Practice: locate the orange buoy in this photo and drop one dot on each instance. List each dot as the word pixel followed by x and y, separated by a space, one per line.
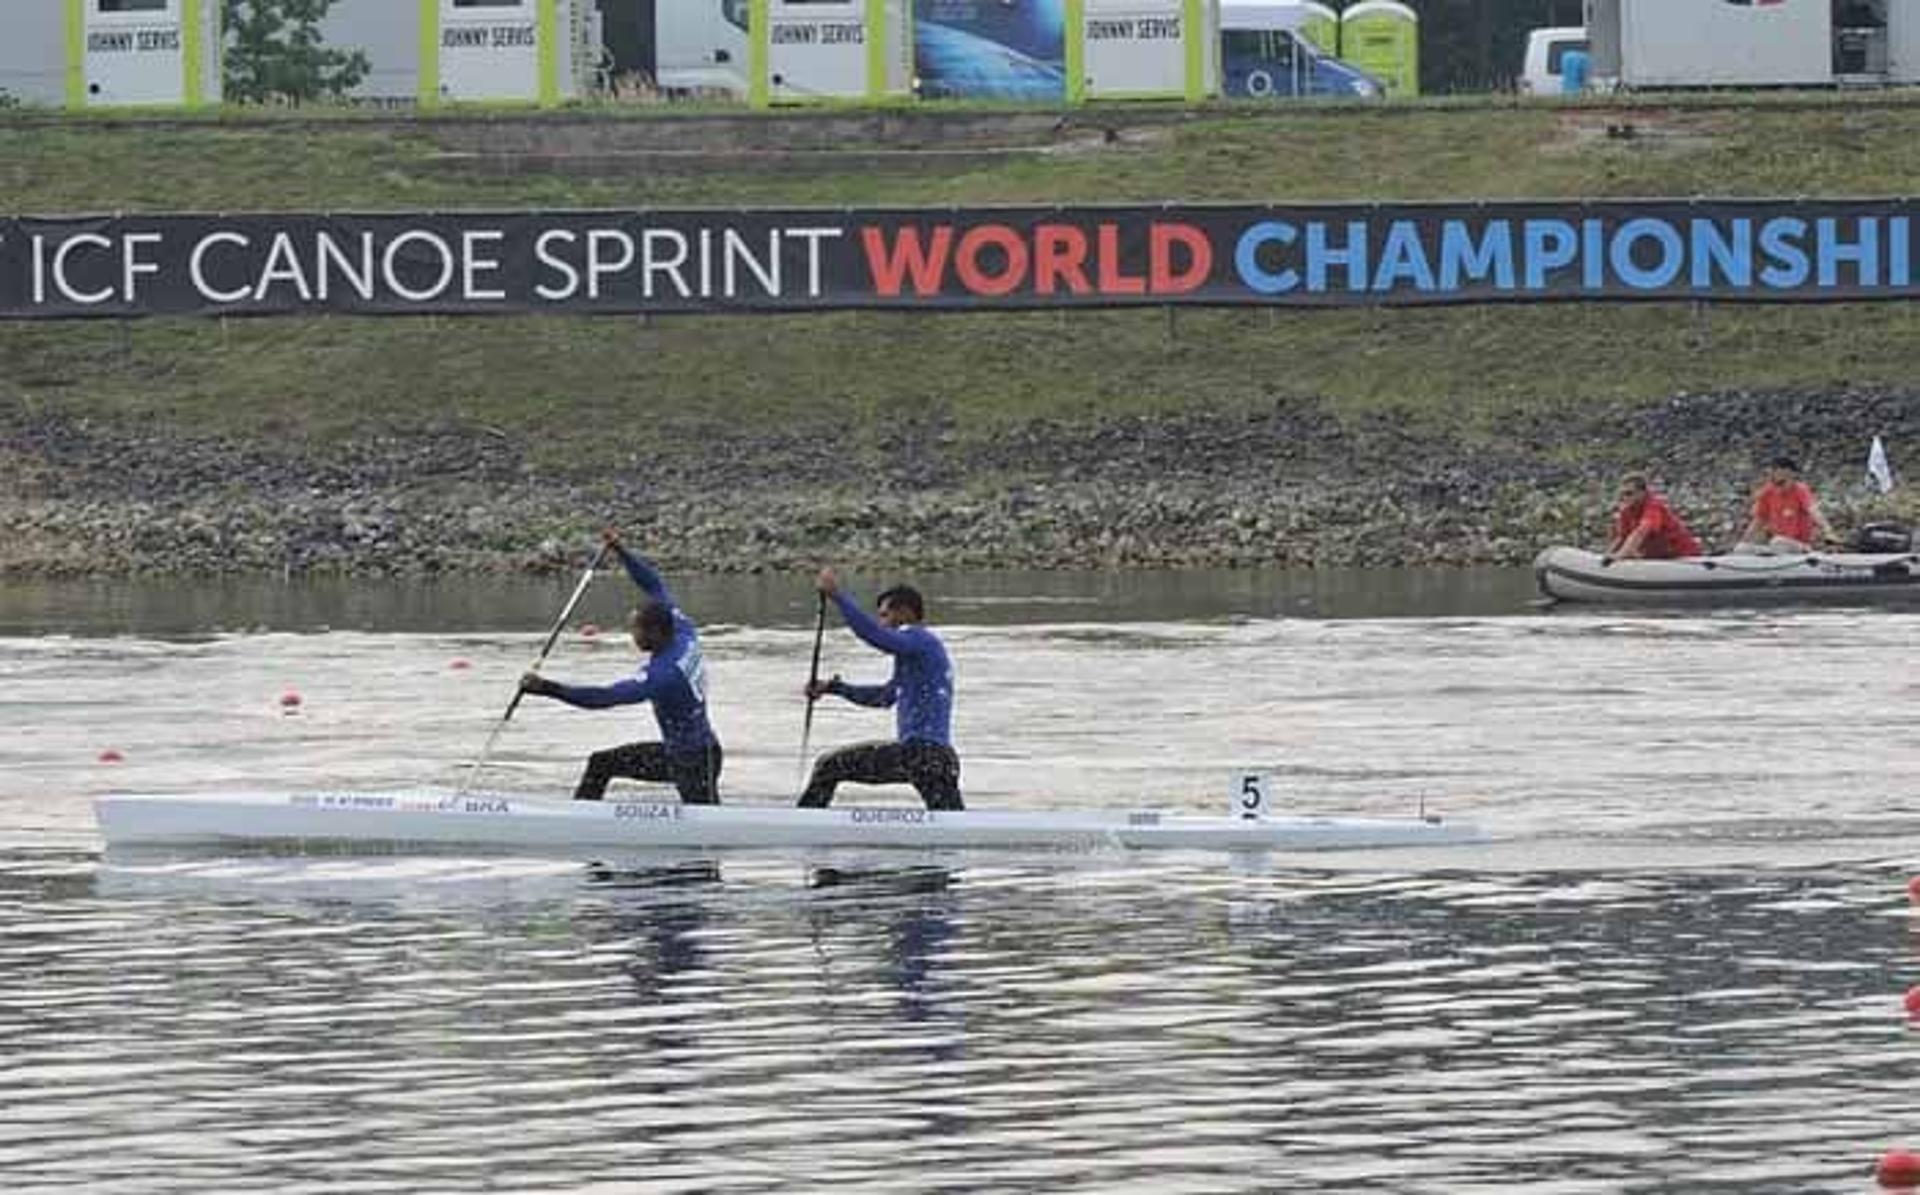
pixel 111 756
pixel 1899 1169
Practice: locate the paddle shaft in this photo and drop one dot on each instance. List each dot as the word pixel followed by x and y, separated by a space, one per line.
pixel 813 678
pixel 559 625
pixel 553 637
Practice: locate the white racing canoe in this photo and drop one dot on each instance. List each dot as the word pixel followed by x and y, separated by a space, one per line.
pixel 515 822
pixel 1574 575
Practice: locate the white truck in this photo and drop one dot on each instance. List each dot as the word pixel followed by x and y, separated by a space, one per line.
pixel 1543 72
pixel 1753 43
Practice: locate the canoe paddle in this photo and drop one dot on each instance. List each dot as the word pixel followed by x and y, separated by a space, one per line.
pixel 553 636
pixel 813 678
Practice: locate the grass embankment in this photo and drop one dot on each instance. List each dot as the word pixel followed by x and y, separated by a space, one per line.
pixel 555 380
pixel 596 392
pixel 585 391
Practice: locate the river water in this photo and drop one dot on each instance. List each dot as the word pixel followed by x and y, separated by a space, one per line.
pixel 1677 963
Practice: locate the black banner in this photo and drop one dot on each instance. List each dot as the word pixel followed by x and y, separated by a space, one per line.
pixel 978 258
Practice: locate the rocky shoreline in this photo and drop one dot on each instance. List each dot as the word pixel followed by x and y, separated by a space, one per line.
pixel 1288 484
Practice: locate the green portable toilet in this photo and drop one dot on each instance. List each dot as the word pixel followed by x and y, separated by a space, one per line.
pixel 1382 38
pixel 1321 26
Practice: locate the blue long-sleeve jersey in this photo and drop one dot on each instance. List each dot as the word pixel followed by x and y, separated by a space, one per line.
pixel 921 688
pixel 674 679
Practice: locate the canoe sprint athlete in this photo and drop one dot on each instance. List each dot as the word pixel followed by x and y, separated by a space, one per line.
pixel 674 679
pixel 920 690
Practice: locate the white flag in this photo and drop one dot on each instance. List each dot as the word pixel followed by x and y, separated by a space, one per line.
pixel 1877 467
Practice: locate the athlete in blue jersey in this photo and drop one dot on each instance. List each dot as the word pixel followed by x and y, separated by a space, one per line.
pixel 920 692
pixel 674 680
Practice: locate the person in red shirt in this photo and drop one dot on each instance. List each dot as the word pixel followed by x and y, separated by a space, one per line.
pixel 1786 515
pixel 1645 527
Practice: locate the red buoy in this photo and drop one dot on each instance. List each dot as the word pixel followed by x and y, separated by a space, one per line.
pixel 1913 1003
pixel 1899 1169
pixel 589 630
pixel 289 701
pixel 461 665
pixel 111 756
pixel 1913 889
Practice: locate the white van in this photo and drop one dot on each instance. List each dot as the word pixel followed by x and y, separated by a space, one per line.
pixel 1547 50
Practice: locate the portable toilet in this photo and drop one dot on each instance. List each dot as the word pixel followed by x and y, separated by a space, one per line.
pixel 1144 49
pixel 1382 38
pixel 809 50
pixel 991 49
pixel 1574 71
pixel 1320 25
pixel 140 52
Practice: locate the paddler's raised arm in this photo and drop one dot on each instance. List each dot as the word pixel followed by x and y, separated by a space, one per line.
pixel 868 628
pixel 638 567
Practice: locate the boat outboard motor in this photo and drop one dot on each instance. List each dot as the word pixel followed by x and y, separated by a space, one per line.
pixel 1883 537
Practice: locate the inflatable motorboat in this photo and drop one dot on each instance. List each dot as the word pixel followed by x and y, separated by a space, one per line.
pixel 1575 575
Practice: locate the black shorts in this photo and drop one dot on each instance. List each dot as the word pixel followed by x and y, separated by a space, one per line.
pixel 697 776
pixel 932 768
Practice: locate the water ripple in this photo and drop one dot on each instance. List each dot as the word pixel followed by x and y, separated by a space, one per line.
pixel 194 1026
pixel 1678 967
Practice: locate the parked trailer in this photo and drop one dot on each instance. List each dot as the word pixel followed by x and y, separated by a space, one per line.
pixel 1725 43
